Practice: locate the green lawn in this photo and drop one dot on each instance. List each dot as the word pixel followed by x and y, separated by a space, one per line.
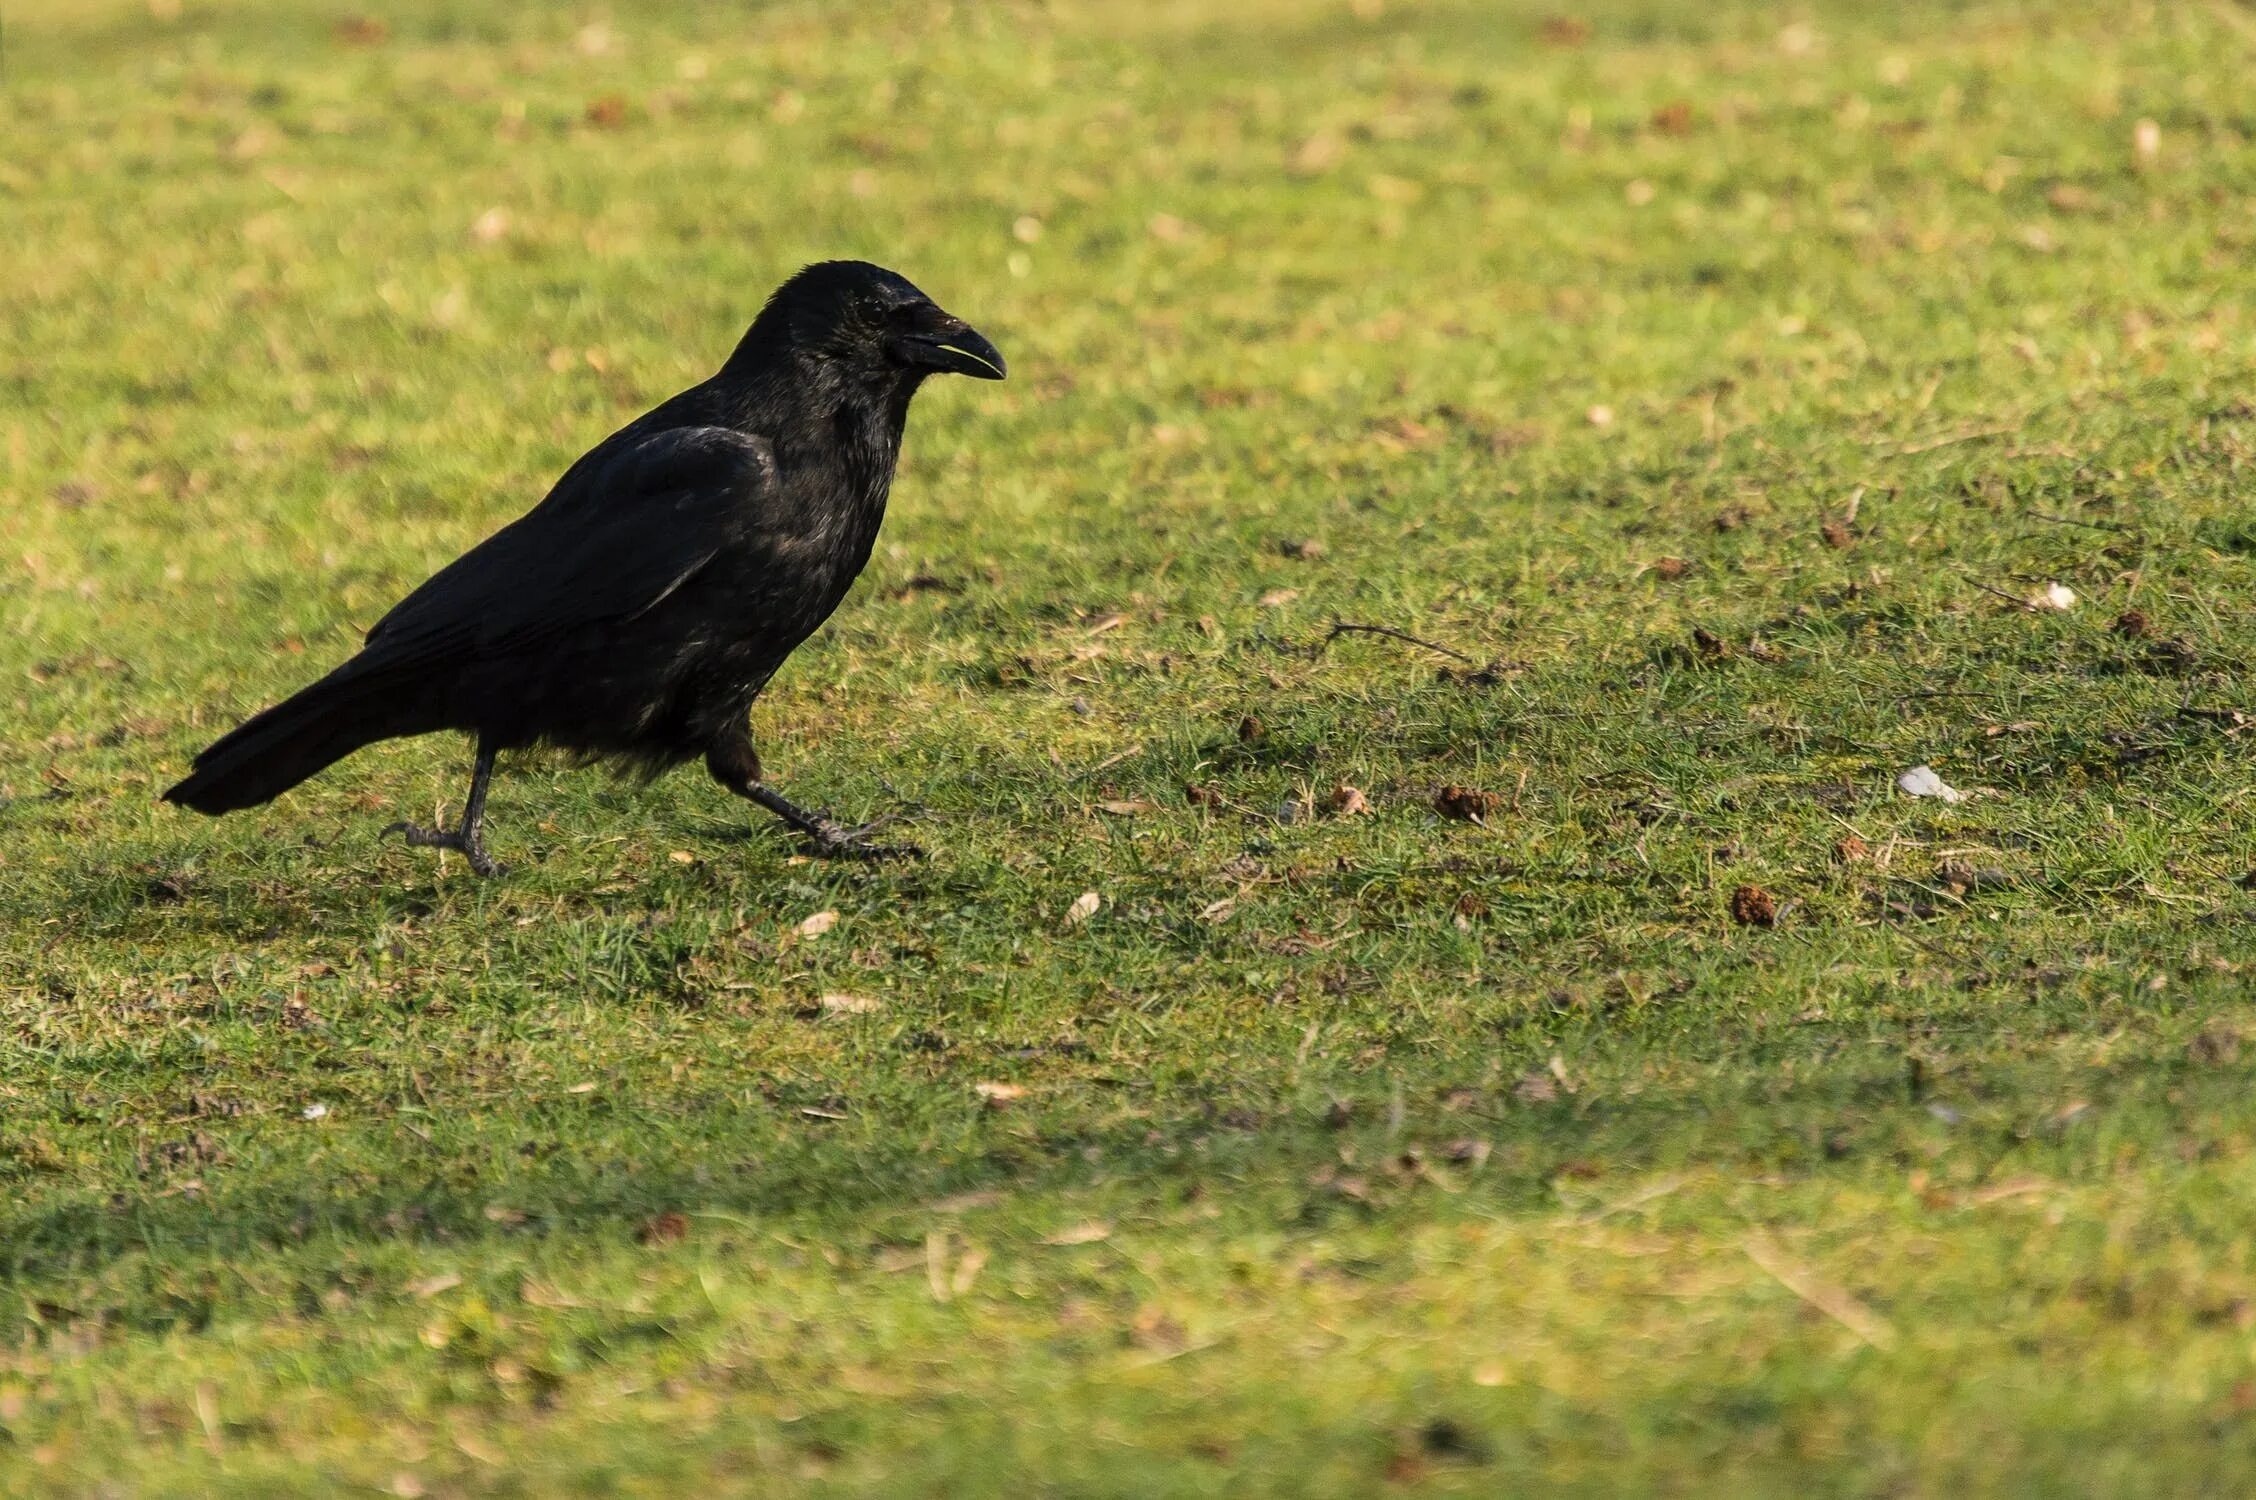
pixel 1718 380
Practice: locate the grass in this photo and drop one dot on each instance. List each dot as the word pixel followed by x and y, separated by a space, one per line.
pixel 1719 377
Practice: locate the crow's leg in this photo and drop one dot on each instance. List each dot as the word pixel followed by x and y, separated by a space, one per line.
pixel 828 837
pixel 736 765
pixel 469 840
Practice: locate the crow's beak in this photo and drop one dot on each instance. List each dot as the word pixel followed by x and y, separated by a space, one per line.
pixel 951 345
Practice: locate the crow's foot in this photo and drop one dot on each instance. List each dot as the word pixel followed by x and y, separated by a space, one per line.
pixel 827 837
pixel 830 839
pixel 469 847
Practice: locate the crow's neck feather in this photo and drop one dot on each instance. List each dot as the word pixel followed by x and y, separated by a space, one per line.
pixel 836 442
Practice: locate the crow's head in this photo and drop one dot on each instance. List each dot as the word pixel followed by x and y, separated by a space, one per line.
pixel 871 326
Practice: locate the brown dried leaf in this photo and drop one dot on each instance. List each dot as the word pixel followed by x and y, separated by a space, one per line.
pixel 666 1229
pixel 1536 1087
pixel 1154 1330
pixel 541 1294
pixel 1674 118
pixel 1319 153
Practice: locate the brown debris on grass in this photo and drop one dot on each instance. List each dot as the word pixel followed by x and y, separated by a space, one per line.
pixel 1466 804
pixel 669 1228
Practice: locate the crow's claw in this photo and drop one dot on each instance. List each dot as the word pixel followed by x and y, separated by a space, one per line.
pixel 833 840
pixel 827 837
pixel 481 863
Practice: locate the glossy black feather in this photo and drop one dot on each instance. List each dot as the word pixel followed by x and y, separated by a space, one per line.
pixel 635 613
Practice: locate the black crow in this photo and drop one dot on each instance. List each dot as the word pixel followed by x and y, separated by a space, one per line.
pixel 634 614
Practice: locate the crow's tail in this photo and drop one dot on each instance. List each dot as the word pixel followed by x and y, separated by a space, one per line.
pixel 271 752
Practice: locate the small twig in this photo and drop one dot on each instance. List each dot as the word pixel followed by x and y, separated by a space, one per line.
pixel 1342 627
pixel 2038 515
pixel 911 808
pixel 2013 599
pixel 1107 763
pixel 1957 437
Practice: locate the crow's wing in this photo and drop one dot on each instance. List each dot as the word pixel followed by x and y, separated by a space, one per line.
pixel 626 526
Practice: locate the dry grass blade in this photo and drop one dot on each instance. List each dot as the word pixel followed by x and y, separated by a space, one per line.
pixel 1823 1295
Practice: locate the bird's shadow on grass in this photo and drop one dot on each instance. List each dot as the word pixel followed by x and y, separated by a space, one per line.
pixel 451 1191
pixel 359 884
pixel 221 896
pixel 524 1178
